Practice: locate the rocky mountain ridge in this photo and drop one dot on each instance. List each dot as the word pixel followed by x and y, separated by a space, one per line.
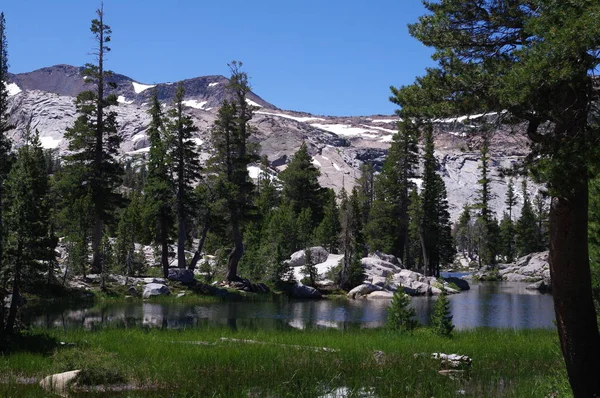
pixel 339 145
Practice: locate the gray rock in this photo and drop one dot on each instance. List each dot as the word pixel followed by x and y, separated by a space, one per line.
pixel 132 291
pixel 390 258
pixel 543 286
pixel 318 255
pixel 363 290
pixel 381 295
pixel 184 276
pixel 155 289
pixel 302 291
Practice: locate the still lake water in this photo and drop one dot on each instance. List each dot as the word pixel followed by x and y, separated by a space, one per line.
pixel 487 304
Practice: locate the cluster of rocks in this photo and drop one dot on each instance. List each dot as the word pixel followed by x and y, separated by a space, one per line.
pixel 384 275
pixel 533 268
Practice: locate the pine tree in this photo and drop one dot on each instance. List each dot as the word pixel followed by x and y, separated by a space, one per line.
pixel 129 230
pixel 464 232
pixel 309 270
pixel 401 316
pixel 232 156
pixel 437 243
pixel 511 198
pixel 414 248
pixel 441 318
pixel 366 190
pixel 327 233
pixel 186 169
pixel 30 243
pixel 487 242
pixel 541 215
pixel 300 185
pixel 94 142
pixel 5 143
pixel 532 63
pixel 388 225
pixel 159 188
pixel 352 243
pixel 304 228
pixel 507 247
pixel 527 236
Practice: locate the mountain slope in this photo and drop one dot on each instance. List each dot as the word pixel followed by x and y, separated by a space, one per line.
pixel 338 144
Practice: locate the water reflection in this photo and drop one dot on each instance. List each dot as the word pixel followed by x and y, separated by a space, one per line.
pixel 498 305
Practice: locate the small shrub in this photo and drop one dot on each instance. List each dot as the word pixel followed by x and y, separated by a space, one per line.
pixel 441 319
pixel 97 365
pixel 400 314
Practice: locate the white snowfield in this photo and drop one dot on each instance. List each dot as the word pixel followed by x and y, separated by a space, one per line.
pixel 346 130
pixel 254 172
pixel 296 118
pixel 123 100
pixel 212 84
pixel 385 120
pixel 12 88
pixel 140 88
pixel 195 104
pixel 250 102
pixel 139 136
pixel 316 162
pixel 50 142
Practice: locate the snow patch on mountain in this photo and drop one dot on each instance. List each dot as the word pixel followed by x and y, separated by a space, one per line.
pixel 123 100
pixel 12 89
pixel 252 103
pixel 212 84
pixel 296 118
pixel 316 162
pixel 140 88
pixel 195 104
pixel 345 130
pixel 384 120
pixel 50 142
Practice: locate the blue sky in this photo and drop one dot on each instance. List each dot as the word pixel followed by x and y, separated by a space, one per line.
pixel 329 57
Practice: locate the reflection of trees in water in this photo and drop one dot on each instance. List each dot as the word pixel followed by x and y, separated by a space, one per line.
pixel 487 304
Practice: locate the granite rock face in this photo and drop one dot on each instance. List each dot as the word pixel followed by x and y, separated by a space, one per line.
pixel 339 145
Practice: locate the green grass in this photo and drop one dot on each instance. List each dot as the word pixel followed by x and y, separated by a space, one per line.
pixel 198 362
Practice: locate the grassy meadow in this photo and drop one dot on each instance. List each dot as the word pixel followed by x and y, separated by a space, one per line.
pixel 218 362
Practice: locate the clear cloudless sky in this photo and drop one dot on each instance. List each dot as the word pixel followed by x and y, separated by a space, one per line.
pixel 330 57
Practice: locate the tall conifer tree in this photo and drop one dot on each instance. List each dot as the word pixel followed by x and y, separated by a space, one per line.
pixel 186 169
pixel 94 142
pixel 159 187
pixel 531 62
pixel 233 154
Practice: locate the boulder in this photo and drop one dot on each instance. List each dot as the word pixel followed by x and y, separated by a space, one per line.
pixel 132 291
pixel 377 267
pixel 459 282
pixel 182 275
pixel 318 255
pixel 363 290
pixel 387 257
pixel 381 295
pixel 453 360
pixel 155 289
pixel 302 291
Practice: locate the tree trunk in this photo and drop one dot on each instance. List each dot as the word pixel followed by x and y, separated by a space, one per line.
pixel 96 246
pixel 571 288
pixel 236 254
pixel 196 258
pixel 181 244
pixel 164 252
